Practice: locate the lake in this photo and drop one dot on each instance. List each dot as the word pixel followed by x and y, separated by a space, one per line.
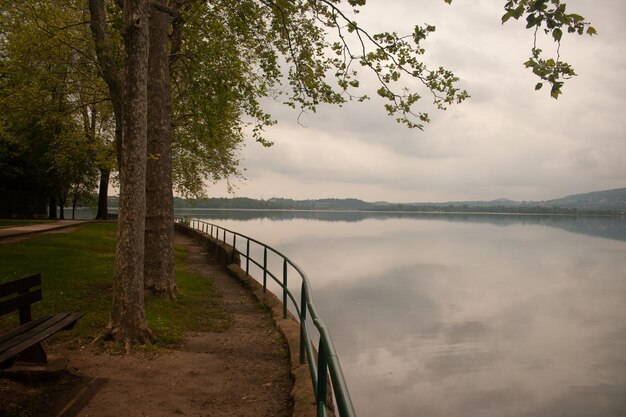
pixel 464 315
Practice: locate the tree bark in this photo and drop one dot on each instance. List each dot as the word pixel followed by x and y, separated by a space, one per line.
pixel 159 234
pixel 62 201
pixel 128 322
pixel 103 195
pixel 52 208
pixel 74 203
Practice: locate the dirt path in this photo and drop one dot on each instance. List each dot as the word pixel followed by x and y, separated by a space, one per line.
pixel 242 372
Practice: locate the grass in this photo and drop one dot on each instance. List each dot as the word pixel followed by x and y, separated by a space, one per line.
pixel 76 269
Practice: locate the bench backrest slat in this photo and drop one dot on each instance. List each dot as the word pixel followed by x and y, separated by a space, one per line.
pixel 16 303
pixel 20 286
pixel 19 295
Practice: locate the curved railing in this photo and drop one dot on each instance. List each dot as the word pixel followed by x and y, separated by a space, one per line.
pixel 326 363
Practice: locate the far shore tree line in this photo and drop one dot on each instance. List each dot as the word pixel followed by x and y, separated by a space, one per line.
pixel 159 94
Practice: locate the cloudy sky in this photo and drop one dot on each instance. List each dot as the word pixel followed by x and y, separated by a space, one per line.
pixel 506 141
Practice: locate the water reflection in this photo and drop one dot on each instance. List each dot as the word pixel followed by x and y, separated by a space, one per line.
pixel 607 227
pixel 448 317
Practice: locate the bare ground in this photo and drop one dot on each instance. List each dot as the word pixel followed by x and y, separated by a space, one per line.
pixel 241 372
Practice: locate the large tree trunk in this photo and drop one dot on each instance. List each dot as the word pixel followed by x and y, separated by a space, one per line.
pixel 159 240
pixel 127 313
pixel 103 195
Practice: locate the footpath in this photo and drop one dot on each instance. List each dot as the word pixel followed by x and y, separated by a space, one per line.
pixel 30 229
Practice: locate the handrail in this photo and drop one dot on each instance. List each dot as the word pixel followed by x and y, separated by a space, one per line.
pixel 327 362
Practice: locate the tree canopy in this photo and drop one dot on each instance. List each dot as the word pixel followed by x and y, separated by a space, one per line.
pixel 53 105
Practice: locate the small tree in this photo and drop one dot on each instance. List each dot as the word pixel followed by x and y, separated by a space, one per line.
pixel 70 161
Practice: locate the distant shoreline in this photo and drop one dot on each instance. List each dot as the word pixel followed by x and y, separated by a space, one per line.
pixel 597 203
pixel 566 212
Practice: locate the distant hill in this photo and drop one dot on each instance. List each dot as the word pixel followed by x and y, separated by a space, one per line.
pixel 598 202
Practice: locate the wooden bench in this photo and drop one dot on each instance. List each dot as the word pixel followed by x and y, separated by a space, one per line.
pixel 23 343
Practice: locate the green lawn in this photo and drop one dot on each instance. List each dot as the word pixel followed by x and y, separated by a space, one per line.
pixel 76 271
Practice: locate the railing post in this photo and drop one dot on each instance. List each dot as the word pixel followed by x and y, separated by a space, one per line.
pixel 264 268
pixel 284 288
pixel 211 230
pixel 232 254
pixel 322 379
pixel 224 239
pixel 303 297
pixel 248 257
pixel 217 238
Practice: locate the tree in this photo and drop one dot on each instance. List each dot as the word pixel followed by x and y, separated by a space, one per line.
pixel 208 123
pixel 99 128
pixel 49 70
pixel 550 17
pixel 128 322
pixel 159 228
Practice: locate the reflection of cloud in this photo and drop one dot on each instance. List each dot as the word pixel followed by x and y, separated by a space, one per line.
pixel 606 227
pixel 479 316
pixel 453 363
pixel 395 306
pixel 599 400
pixel 495 402
pixel 466 331
pixel 465 319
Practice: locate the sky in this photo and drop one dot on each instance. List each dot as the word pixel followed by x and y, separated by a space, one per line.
pixel 506 141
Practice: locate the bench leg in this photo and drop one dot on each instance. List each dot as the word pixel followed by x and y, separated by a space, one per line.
pixel 34 355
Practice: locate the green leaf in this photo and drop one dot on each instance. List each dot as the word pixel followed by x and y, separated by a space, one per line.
pixel 538 86
pixel 577 18
pixel 557 34
pixel 506 17
pixel 556 90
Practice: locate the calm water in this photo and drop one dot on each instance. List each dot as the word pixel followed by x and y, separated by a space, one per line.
pixel 461 315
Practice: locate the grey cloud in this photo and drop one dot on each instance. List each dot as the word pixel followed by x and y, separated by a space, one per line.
pixel 507 141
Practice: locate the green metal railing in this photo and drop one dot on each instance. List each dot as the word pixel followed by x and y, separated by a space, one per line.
pixel 327 362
